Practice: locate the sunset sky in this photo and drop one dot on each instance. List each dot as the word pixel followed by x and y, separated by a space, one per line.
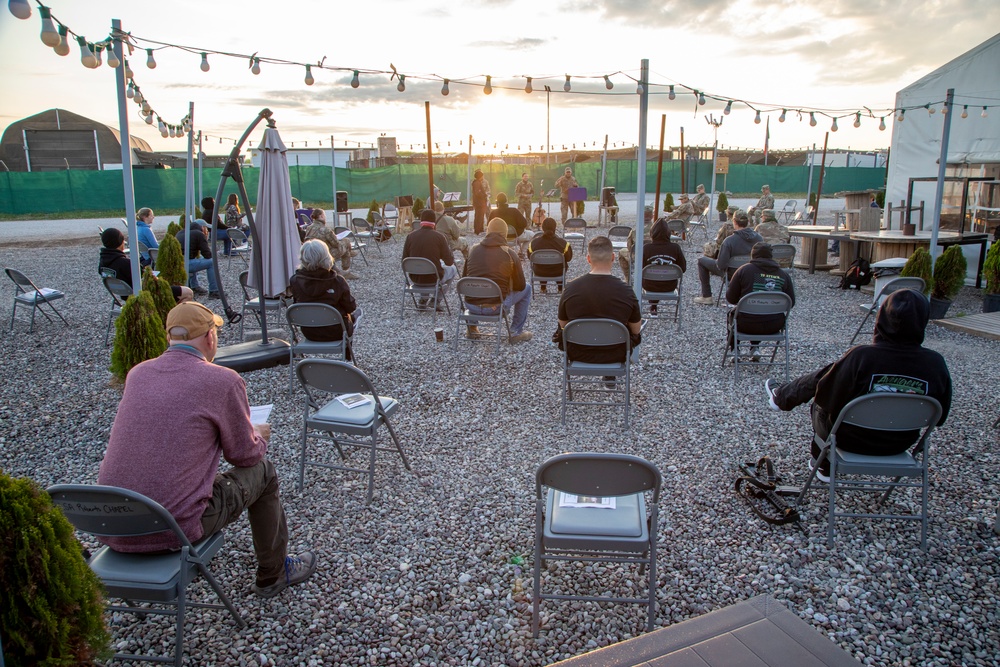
pixel 836 55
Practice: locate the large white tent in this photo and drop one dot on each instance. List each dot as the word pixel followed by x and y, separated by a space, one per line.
pixel 974 142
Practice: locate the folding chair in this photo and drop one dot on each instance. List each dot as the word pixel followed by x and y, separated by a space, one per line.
pixel 888 412
pixel 356 243
pixel 575 229
pixel 591 379
pixel 364 231
pixel 480 288
pixel 784 254
pixel 735 262
pixel 592 507
pixel 547 258
pixel 663 273
pixel 27 294
pixel 380 224
pixel 304 315
pixel 618 235
pixel 906 282
pixel 698 222
pixel 240 246
pixel 119 291
pixel 678 229
pixel 252 303
pixel 758 303
pixel 429 293
pixel 153 252
pixel 354 426
pixel 390 216
pixel 159 579
pixel 788 211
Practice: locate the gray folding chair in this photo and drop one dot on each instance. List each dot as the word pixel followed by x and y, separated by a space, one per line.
pixel 240 246
pixel 784 254
pixel 251 303
pixel 480 288
pixel 887 412
pixel 575 229
pixel 592 507
pixel 906 282
pixel 305 315
pixel 758 303
pixel 698 222
pixel 119 291
pixel 423 296
pixel 606 384
pixel 345 426
pixel 356 243
pixel 160 579
pixel 663 273
pixel 153 253
pixel 735 262
pixel 27 294
pixel 547 258
pixel 618 235
pixel 787 211
pixel 365 231
pixel 678 229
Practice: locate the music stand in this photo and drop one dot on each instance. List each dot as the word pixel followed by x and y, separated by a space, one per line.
pixel 451 196
pixel 549 195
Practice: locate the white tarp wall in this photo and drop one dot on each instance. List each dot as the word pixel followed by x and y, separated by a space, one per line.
pixel 916 142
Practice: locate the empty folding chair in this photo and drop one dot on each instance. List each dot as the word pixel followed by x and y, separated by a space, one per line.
pixel 906 282
pixel 251 303
pixel 27 294
pixel 365 231
pixel 240 246
pixel 575 230
pixel 356 244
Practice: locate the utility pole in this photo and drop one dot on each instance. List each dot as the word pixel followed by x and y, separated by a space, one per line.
pixel 716 124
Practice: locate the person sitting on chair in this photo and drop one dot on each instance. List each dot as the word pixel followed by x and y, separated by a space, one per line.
pixel 199 244
pixel 176 461
pixel 765 202
pixel 599 294
pixel 144 230
pixel 316 281
pixel 771 230
pixel 761 274
pixel 895 361
pixel 550 241
pixel 449 227
pixel 427 242
pixel 684 212
pixel 494 260
pixel 738 243
pixel 516 223
pixel 115 262
pixel 701 201
pixel 661 250
pixel 339 248
pixel 711 248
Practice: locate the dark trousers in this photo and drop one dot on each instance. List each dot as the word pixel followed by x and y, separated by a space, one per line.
pixel 762 324
pixel 255 490
pixel 481 209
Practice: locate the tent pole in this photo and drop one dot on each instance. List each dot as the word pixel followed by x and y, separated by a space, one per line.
pixel 640 199
pixel 659 169
pixel 126 145
pixel 430 158
pixel 189 193
pixel 942 167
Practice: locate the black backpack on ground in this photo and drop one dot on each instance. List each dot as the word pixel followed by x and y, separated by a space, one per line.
pixel 859 273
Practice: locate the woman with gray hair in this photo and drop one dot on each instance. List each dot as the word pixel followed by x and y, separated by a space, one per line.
pixel 315 281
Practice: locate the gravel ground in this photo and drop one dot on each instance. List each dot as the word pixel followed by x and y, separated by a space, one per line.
pixel 423 574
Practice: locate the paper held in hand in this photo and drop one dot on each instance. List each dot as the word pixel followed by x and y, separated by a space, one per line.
pixel 260 413
pixel 354 400
pixel 569 500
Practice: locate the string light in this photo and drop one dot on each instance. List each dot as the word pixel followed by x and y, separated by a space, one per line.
pixel 834 128
pixel 639 90
pixel 444 88
pixel 729 107
pixel 902 114
pixel 984 113
pixel 857 120
pixel 150 60
pixel 930 109
pixel 355 82
pixel 149 118
pixel 128 70
pixel 566 86
pixel 204 62
pixel 255 67
pixel 812 119
pixel 756 119
pixel 309 76
pixel 607 82
pixel 130 90
pixel 672 95
pixel 402 85
pixel 701 99
pixel 527 86
pixel 113 61
pixel 488 88
pixel 965 111
pixel 87 57
pixel 49 34
pixel 62 48
pixel 781 118
pixel 881 124
pixel 138 98
pixel 20 8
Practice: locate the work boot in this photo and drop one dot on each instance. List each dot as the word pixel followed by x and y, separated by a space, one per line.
pixel 473 332
pixel 297 569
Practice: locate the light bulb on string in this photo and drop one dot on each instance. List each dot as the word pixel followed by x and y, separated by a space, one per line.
pixel 49 34
pixel 729 107
pixel 488 88
pixel 781 118
pixel 756 119
pixel 172 131
pixel 145 107
pixel 62 48
pixel 255 68
pixel 881 124
pixel 309 76
pixel 965 111
pixel 128 70
pixel 902 115
pixel 150 60
pixel 97 49
pixel 930 109
pixel 944 109
pixel 983 114
pixel 566 86
pixel 204 62
pixel 87 57
pixel 20 8
pixel 402 83
pixel 355 82
pixel 164 133
pixel 444 88
pixel 671 95
pixel 701 99
pixel 137 97
pixel 607 82
pixel 180 131
pixel 527 86
pixel 149 118
pixel 130 90
pixel 638 89
pixel 834 128
pixel 857 120
pixel 812 119
pixel 113 61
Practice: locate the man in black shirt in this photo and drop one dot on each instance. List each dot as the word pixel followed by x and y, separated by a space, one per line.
pixel 199 243
pixel 599 294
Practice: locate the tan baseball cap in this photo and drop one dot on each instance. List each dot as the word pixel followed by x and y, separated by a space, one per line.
pixel 194 317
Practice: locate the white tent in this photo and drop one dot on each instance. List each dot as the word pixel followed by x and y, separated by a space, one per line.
pixel 974 142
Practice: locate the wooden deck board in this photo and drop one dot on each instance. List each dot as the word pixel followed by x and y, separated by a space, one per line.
pixel 984 325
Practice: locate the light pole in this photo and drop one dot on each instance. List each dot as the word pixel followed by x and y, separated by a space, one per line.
pixel 710 119
pixel 548 91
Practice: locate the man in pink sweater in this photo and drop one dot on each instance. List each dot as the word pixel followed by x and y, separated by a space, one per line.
pixel 166 441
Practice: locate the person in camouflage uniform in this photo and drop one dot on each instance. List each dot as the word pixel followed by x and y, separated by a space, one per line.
pixel 564 183
pixel 684 212
pixel 711 248
pixel 701 201
pixel 449 227
pixel 523 191
pixel 771 230
pixel 766 201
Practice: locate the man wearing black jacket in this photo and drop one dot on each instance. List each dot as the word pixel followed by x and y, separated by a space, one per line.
pixel 426 242
pixel 199 244
pixel 895 361
pixel 761 274
pixel 494 260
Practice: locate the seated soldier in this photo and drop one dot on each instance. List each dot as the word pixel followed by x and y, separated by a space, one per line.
pixel 761 274
pixel 684 212
pixel 711 248
pixel 661 250
pixel 895 361
pixel 449 227
pixel 771 230
pixel 548 240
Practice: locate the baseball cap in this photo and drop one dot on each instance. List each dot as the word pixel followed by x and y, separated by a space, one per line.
pixel 194 317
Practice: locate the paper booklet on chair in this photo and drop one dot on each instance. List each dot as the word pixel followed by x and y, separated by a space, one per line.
pixel 344 234
pixel 353 400
pixel 569 500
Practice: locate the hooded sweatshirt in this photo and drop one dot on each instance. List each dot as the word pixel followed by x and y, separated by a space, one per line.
pixel 661 250
pixel 324 286
pixel 738 243
pixel 494 260
pixel 896 362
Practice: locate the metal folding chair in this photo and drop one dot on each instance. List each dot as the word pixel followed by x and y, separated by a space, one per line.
pixel 119 291
pixel 428 293
pixel 240 246
pixel 356 243
pixel 906 282
pixel 663 273
pixel 606 384
pixel 365 231
pixel 735 262
pixel 784 254
pixel 27 294
pixel 575 229
pixel 758 303
pixel 251 303
pixel 480 288
pixel 305 315
pixel 547 258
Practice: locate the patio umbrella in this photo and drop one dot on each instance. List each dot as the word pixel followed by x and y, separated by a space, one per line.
pixel 278 234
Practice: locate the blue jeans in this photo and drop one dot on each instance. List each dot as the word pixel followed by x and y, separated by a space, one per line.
pixel 195 266
pixel 519 301
pixel 222 235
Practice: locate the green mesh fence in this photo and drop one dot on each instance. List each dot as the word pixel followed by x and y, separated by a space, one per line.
pixel 68 191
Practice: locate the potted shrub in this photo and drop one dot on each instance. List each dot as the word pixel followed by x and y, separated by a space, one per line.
pixel 722 206
pixel 991 271
pixel 139 335
pixel 173 228
pixel 159 290
pixel 170 262
pixel 949 276
pixel 668 202
pixel 372 208
pixel 919 266
pixel 53 611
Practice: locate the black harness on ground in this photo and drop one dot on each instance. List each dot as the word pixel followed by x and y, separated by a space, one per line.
pixel 762 489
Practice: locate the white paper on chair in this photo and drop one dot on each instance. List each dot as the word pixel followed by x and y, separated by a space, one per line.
pixel 344 234
pixel 41 294
pixel 260 413
pixel 568 500
pixel 353 400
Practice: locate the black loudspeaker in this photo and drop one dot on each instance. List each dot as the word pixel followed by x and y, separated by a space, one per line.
pixel 404 200
pixel 608 197
pixel 341 201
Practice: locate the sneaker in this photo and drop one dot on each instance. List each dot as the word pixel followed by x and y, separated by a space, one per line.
pixel 823 474
pixel 199 290
pixel 297 569
pixel 704 300
pixel 473 332
pixel 771 387
pixel 213 295
pixel 350 275
pixel 652 309
pixel 522 337
pixel 754 354
pixel 610 381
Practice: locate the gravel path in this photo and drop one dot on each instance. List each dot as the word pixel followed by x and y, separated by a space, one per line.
pixel 423 574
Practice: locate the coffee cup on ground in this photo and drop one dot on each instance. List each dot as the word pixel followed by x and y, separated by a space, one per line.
pixel 439 334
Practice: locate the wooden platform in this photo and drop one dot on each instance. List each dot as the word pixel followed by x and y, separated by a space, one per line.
pixel 984 325
pixel 757 632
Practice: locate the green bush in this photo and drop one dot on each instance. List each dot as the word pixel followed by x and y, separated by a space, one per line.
pixel 139 335
pixel 373 207
pixel 919 266
pixel 668 202
pixel 812 199
pixel 159 290
pixel 173 228
pixel 52 611
pixel 723 203
pixel 170 262
pixel 991 269
pixel 880 198
pixel 949 273
pixel 418 206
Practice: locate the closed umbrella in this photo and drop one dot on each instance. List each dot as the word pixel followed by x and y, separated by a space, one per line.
pixel 278 234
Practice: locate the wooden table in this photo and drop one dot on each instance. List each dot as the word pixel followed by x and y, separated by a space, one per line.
pixel 815 239
pixel 891 243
